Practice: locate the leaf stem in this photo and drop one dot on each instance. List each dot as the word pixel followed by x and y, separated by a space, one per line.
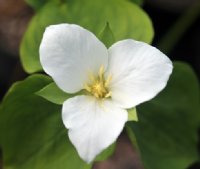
pixel 170 39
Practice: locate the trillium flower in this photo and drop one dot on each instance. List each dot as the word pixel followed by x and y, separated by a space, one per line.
pixel 114 80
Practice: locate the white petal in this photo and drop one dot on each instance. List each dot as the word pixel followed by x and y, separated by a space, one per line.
pixel 69 53
pixel 93 125
pixel 139 72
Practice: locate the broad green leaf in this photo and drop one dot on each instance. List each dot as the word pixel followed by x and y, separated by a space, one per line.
pixel 106 36
pixel 132 137
pixel 32 135
pixel 138 2
pixel 37 4
pixel 132 114
pixel 126 20
pixel 167 128
pixel 54 94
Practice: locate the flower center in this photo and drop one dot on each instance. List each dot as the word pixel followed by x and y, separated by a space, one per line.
pixel 99 85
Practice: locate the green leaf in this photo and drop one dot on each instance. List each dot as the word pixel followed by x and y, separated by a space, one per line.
pixel 126 20
pixel 37 4
pixel 132 114
pixel 54 94
pixel 132 138
pixel 138 2
pixel 167 128
pixel 106 36
pixel 32 134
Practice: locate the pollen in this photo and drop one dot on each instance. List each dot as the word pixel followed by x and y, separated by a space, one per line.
pixel 99 86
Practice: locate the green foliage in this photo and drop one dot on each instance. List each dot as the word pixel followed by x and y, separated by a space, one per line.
pixel 54 94
pixel 132 114
pixel 166 132
pixel 106 36
pixel 32 134
pixel 167 128
pixel 31 127
pixel 139 2
pixel 126 20
pixel 37 4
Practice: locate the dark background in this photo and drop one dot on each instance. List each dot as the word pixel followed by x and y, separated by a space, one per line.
pixel 15 14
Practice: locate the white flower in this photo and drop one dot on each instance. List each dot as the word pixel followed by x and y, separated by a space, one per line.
pixel 116 79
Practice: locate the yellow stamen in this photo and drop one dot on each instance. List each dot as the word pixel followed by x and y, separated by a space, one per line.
pixel 99 86
pixel 101 72
pixel 91 77
pixel 108 80
pixel 108 94
pixel 87 88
